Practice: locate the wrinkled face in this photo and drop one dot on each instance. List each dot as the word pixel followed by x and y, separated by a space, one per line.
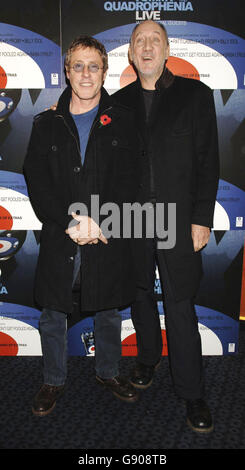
pixel 149 50
pixel 85 84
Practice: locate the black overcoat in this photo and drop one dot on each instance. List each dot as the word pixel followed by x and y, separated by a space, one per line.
pixel 183 148
pixel 56 179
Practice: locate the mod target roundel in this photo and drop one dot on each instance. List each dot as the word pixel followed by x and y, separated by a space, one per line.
pixel 212 344
pixel 175 65
pixel 9 99
pixel 129 342
pixel 16 212
pixel 28 59
pixel 10 242
pixel 18 70
pixel 6 220
pixel 197 51
pixel 19 338
pixel 216 71
pixel 9 346
pixel 3 78
pixel 19 335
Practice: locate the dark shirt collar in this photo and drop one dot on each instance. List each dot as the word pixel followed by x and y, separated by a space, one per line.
pixel 64 101
pixel 164 81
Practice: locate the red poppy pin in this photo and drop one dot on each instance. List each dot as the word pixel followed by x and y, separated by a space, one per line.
pixel 104 120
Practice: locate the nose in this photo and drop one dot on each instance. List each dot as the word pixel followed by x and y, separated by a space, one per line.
pixel 85 71
pixel 147 44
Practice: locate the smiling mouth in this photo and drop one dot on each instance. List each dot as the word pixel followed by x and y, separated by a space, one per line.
pixel 86 84
pixel 147 58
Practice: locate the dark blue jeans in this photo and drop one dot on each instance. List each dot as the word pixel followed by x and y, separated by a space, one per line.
pixel 53 332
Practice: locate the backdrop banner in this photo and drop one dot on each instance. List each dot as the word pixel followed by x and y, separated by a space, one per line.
pixel 207 43
pixel 30 45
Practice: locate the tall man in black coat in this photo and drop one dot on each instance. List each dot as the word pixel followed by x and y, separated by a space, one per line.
pixel 87 147
pixel 177 118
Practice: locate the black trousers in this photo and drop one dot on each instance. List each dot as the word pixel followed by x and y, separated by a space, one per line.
pixel 183 338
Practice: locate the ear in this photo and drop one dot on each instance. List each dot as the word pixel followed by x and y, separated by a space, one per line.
pixel 130 56
pixel 67 72
pixel 104 75
pixel 167 52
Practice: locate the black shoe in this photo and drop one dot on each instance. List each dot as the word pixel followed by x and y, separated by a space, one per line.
pixel 142 375
pixel 198 416
pixel 45 400
pixel 120 387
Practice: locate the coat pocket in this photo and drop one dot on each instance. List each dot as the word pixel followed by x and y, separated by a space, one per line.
pixel 179 132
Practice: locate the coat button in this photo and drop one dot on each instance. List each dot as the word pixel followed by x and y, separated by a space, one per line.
pixel 76 169
pixel 54 148
pixel 114 143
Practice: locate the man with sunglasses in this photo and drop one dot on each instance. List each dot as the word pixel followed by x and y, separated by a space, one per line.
pixel 87 147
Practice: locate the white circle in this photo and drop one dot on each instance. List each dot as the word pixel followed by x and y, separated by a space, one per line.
pixel 20 208
pixel 21 70
pixel 211 344
pixel 221 74
pixel 2 106
pixel 5 246
pixel 26 336
pixel 221 218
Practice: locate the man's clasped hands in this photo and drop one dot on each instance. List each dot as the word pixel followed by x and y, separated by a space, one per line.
pixel 86 231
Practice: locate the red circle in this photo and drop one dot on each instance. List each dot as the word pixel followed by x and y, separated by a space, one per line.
pixel 176 65
pixel 129 345
pixel 3 78
pixel 182 68
pixel 1 245
pixel 6 220
pixel 128 76
pixel 8 346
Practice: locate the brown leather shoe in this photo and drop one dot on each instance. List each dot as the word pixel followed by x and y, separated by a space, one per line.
pixel 45 400
pixel 120 387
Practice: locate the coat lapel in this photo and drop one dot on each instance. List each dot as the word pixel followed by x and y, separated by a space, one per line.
pixel 161 107
pixel 161 110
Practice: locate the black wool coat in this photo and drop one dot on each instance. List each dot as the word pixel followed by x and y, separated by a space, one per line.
pixel 56 179
pixel 183 147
